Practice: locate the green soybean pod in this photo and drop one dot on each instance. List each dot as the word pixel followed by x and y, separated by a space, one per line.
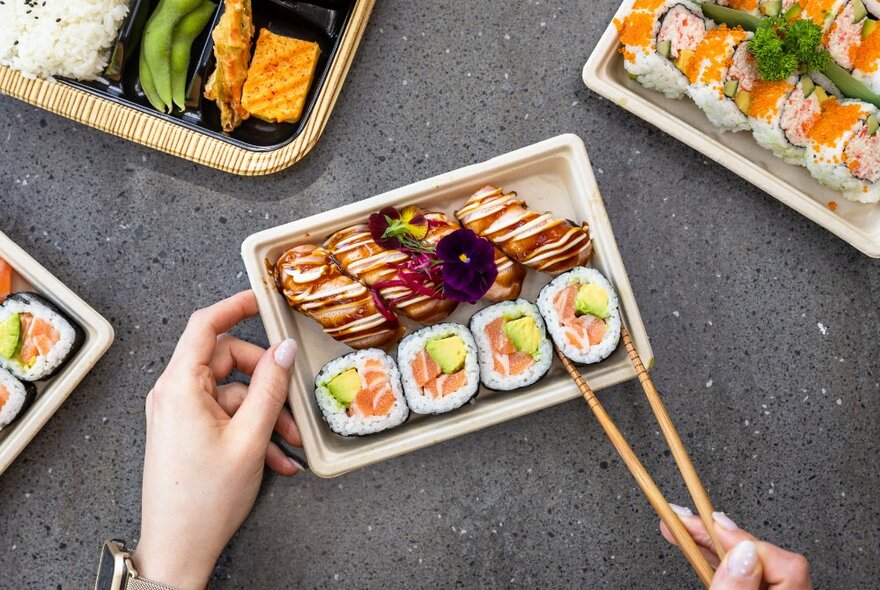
pixel 157 42
pixel 181 47
pixel 147 84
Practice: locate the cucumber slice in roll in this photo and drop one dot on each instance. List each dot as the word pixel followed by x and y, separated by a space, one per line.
pixel 731 17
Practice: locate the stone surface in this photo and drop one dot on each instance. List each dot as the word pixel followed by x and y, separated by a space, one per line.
pixel 780 417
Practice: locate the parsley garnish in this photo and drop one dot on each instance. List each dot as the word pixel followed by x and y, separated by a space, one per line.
pixel 781 48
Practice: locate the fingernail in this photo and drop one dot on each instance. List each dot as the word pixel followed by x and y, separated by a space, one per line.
pixel 741 561
pixel 680 510
pixel 296 464
pixel 724 521
pixel 285 354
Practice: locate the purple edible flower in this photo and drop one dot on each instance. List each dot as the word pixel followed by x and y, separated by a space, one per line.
pixel 468 265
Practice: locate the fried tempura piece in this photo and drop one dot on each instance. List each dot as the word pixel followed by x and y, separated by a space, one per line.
pixel 232 48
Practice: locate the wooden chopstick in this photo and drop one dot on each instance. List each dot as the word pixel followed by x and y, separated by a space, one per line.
pixel 649 488
pixel 679 453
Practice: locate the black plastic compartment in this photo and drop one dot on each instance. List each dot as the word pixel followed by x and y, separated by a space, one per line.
pixel 321 21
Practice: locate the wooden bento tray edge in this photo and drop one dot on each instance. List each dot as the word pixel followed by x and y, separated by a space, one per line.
pixel 595 77
pixel 152 131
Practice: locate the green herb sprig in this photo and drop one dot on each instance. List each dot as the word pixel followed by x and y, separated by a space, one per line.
pixel 781 48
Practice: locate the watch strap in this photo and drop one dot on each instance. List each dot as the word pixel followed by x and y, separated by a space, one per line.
pixel 136 583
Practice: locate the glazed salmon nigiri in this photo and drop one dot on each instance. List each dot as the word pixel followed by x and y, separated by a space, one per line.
pixel 538 240
pixel 347 310
pixel 359 256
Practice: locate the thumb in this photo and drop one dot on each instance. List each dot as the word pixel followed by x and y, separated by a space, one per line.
pixel 267 392
pixel 741 569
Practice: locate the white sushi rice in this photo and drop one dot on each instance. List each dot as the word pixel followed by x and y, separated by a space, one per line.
pixel 580 275
pixel 336 414
pixel 70 38
pixel 44 365
pixel 511 310
pixel 420 402
pixel 769 131
pixel 828 164
pixel 18 396
pixel 719 109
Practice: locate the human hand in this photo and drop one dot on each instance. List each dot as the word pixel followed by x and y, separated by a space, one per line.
pixel 207 444
pixel 749 564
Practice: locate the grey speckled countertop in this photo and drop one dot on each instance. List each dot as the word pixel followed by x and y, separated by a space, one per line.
pixel 780 416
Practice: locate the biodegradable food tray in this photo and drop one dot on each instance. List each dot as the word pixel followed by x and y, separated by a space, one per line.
pixel 30 276
pixel 858 224
pixel 116 103
pixel 552 175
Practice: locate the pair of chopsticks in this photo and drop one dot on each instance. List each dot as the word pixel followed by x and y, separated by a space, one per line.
pixel 649 488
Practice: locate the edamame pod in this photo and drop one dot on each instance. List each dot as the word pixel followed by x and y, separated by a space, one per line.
pixel 146 78
pixel 158 37
pixel 181 47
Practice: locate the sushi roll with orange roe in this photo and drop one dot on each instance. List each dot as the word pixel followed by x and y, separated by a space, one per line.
pixel 821 12
pixel 360 393
pixel 844 149
pixel 657 37
pixel 845 35
pixel 866 63
pixel 439 368
pixel 783 113
pixel 722 73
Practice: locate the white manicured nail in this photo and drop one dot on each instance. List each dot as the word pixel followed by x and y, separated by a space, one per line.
pixel 680 510
pixel 285 354
pixel 724 521
pixel 296 464
pixel 742 560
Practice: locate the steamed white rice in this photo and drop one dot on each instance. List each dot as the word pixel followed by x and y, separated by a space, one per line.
pixel 69 38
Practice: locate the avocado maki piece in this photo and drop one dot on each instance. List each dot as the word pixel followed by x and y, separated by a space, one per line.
pixel 730 88
pixel 449 353
pixel 345 386
pixel 664 47
pixel 592 299
pixel 872 124
pixel 10 335
pixel 524 334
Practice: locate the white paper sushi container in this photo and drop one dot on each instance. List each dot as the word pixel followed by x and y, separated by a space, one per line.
pixel 553 175
pixel 29 275
pixel 856 223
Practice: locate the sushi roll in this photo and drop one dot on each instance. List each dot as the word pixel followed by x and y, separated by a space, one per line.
pixel 439 368
pixel 783 113
pixel 36 338
pixel 15 397
pixel 722 73
pixel 866 63
pixel 656 35
pixel 847 31
pixel 360 393
pixel 514 350
pixel 821 12
pixel 844 149
pixel 508 283
pixel 582 315
pixel 539 240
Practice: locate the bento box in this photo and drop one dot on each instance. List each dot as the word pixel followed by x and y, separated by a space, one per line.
pixel 116 102
pixel 604 73
pixel 30 276
pixel 553 175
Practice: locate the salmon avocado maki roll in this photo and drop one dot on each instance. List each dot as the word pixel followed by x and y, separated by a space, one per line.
pixel 514 350
pixel 36 339
pixel 582 315
pixel 360 393
pixel 439 368
pixel 15 397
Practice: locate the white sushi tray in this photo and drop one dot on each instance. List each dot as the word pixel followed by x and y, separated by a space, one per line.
pixel 29 275
pixel 552 175
pixel 856 223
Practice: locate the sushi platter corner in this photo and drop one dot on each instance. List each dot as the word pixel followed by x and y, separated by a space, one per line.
pixel 553 175
pixel 56 386
pixel 604 73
